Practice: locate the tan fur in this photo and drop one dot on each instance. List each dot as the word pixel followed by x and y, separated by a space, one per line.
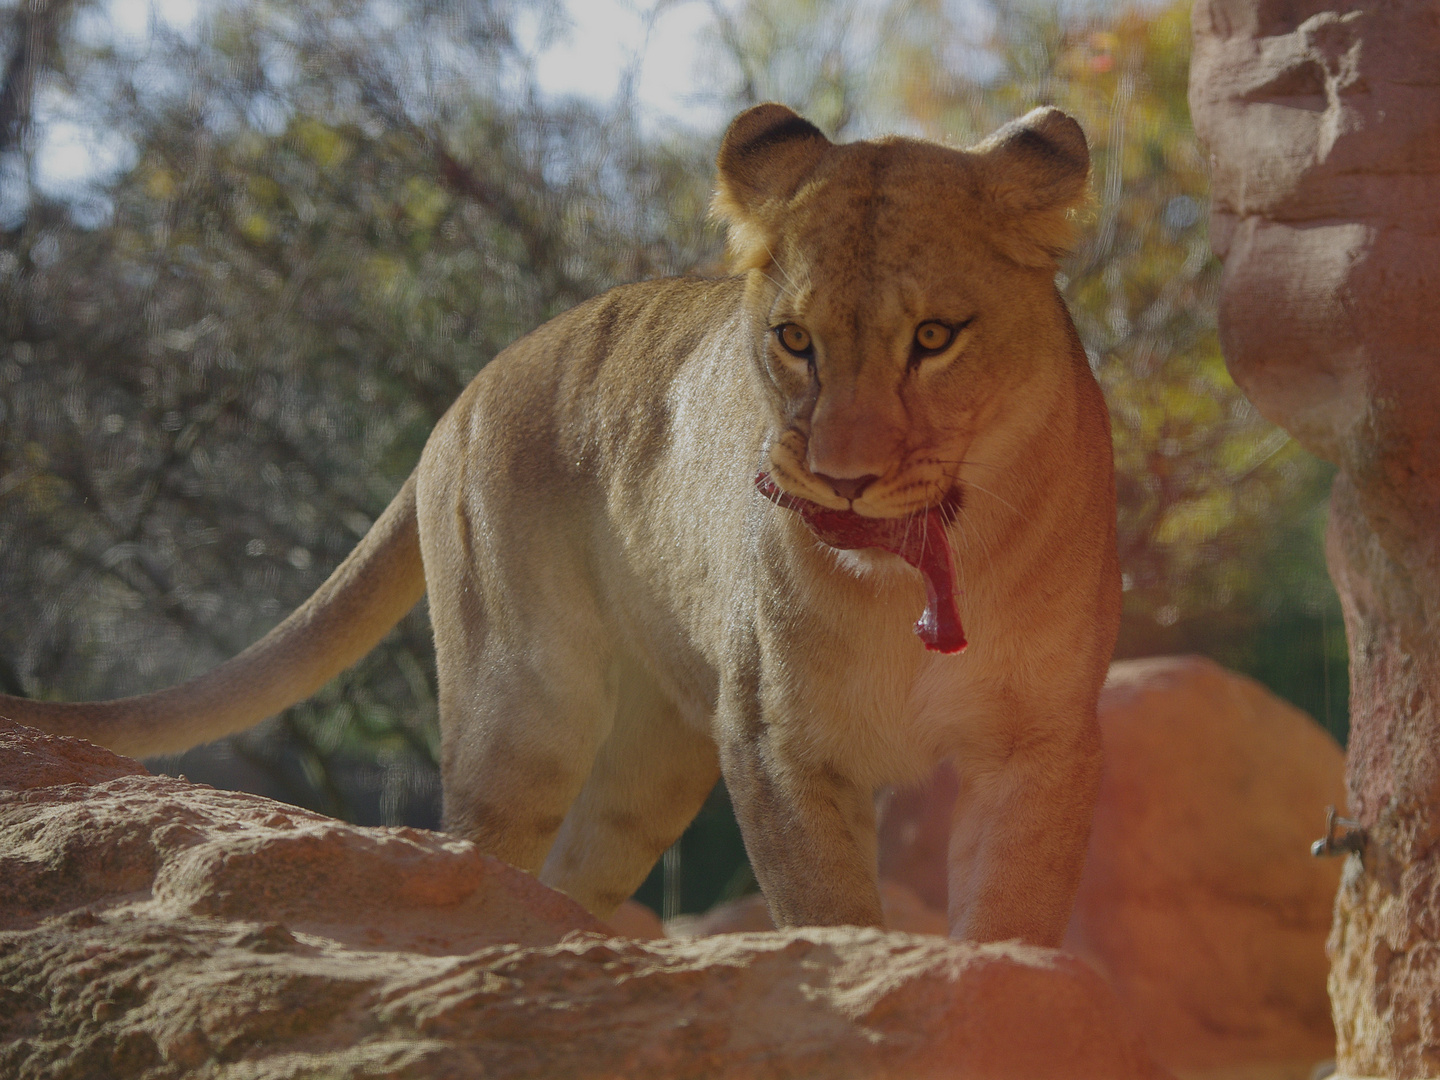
pixel 619 616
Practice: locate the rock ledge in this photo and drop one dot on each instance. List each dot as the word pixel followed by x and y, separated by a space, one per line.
pixel 153 928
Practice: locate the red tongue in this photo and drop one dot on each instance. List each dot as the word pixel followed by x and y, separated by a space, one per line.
pixel 919 539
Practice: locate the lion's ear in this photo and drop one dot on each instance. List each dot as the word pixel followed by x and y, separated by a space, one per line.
pixel 1034 175
pixel 764 159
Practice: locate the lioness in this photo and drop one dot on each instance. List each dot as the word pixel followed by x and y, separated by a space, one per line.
pixel 671 535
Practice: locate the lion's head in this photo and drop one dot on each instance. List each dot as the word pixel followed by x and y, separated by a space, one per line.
pixel 902 295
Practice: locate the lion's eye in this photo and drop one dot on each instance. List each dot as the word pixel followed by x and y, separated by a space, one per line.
pixel 933 336
pixel 796 339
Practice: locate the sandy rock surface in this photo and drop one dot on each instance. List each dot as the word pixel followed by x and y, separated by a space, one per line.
pixel 155 929
pixel 1199 901
pixel 158 845
pixel 903 909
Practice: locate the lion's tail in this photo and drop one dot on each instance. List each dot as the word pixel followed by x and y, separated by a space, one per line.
pixel 368 593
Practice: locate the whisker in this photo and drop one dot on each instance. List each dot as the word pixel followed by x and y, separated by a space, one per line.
pixel 962 556
pixel 1004 502
pixel 794 287
pixel 957 462
pixel 778 286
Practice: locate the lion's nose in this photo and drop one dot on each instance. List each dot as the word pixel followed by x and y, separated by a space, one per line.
pixel 847 487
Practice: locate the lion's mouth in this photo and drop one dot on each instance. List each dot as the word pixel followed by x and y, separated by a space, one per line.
pixel 918 538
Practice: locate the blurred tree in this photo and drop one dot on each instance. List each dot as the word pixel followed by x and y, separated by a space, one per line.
pixel 31 43
pixel 329 225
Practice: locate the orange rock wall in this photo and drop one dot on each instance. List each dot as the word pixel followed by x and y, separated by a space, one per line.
pixel 1199 903
pixel 1323 122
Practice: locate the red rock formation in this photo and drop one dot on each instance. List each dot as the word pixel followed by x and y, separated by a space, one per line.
pixel 634 920
pixel 1323 121
pixel 155 929
pixel 914 835
pixel 1199 901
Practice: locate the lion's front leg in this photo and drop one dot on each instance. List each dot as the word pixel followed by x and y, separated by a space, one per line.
pixel 809 832
pixel 1020 829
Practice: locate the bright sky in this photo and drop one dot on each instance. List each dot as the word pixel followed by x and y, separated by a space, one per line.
pixel 589 59
pixel 603 43
pixel 70 153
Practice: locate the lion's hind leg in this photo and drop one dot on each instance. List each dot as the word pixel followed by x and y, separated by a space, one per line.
pixel 650 778
pixel 527 693
pixel 516 751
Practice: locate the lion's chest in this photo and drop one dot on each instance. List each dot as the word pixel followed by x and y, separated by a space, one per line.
pixel 882 724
